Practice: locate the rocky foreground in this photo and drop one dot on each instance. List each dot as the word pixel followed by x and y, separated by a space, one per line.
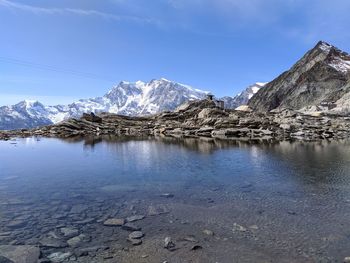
pixel 201 118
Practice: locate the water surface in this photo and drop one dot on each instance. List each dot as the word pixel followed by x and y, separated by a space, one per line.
pixel 267 202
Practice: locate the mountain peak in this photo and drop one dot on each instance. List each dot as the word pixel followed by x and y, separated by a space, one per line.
pixel 324 46
pixel 29 103
pixel 319 76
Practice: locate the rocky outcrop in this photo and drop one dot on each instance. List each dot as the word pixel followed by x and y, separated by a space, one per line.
pixel 201 119
pixel 321 77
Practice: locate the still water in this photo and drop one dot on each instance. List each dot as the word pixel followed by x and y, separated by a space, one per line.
pixel 218 201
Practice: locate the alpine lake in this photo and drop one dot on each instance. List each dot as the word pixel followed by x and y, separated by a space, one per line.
pixel 113 199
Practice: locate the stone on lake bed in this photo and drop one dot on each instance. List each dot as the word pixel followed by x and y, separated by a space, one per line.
pixel 190 239
pixel 114 222
pixel 19 254
pixel 131 227
pixel 76 241
pixel 157 210
pixel 237 227
pixel 69 232
pixel 168 243
pixel 136 235
pixel 16 223
pixel 59 256
pixel 135 218
pixel 52 243
pixel 135 242
pixel 208 232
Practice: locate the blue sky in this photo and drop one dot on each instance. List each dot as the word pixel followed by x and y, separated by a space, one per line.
pixel 60 50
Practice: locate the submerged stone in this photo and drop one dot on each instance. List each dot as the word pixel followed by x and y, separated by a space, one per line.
pixel 59 256
pixel 135 218
pixel 19 254
pixel 114 222
pixel 136 235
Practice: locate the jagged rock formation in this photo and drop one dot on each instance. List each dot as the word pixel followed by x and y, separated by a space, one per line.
pixel 201 118
pixel 320 78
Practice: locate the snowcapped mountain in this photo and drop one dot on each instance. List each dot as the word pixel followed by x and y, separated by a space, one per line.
pixel 243 97
pixel 25 114
pixel 127 98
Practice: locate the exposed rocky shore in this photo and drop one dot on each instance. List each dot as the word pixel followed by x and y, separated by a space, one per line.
pixel 201 119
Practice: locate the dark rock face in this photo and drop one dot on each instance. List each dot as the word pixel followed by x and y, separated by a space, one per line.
pixel 320 76
pixel 91 117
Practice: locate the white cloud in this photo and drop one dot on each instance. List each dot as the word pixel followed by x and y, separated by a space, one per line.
pixel 63 11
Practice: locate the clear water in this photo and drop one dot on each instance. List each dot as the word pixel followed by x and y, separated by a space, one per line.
pixel 280 202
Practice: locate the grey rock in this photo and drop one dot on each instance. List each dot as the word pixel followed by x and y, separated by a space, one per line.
pixel 136 235
pixel 168 243
pixel 69 232
pixel 114 222
pixel 131 227
pixel 76 241
pixel 135 218
pixel 59 256
pixel 20 254
pixel 135 242
pixel 16 223
pixel 52 243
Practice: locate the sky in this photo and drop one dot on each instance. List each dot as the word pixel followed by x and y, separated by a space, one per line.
pixel 57 51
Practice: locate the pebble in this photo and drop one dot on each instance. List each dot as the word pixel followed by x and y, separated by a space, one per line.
pixel 17 224
pixel 136 235
pixel 75 241
pixel 59 256
pixel 52 242
pixel 131 227
pixel 208 232
pixel 168 243
pixel 135 242
pixel 237 227
pixel 69 232
pixel 114 222
pixel 190 239
pixel 135 218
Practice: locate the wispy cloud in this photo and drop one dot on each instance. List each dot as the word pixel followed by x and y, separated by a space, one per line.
pixel 64 11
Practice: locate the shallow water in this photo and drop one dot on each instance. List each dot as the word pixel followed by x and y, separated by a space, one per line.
pixel 267 202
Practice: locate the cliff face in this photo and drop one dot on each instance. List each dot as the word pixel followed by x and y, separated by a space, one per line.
pixel 321 76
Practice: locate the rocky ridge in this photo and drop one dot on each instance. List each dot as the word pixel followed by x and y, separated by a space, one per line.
pixel 201 118
pixel 320 79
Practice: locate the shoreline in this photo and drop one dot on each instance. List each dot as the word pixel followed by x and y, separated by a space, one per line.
pixel 200 119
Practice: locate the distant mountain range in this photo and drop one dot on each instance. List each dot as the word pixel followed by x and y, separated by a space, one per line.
pixel 318 82
pixel 127 98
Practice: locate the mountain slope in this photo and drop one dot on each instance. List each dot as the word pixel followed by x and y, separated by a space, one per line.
pixel 25 114
pixel 126 98
pixel 320 77
pixel 139 98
